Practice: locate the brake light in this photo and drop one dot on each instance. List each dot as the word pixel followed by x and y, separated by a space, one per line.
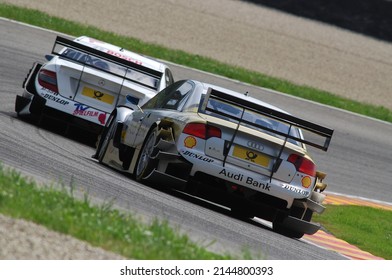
pixel 48 80
pixel 303 164
pixel 201 130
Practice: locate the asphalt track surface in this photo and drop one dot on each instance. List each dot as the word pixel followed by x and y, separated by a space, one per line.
pixel 358 162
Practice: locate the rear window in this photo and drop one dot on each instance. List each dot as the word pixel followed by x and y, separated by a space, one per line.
pixel 128 73
pixel 264 124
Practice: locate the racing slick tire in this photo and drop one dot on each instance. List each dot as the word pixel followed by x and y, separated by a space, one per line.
pixel 104 140
pixel 145 163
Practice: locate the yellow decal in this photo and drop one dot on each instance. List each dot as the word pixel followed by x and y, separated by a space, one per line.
pixel 250 155
pixel 190 142
pixel 98 95
pixel 306 181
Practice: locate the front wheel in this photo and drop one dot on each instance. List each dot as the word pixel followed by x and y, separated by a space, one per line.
pixel 145 164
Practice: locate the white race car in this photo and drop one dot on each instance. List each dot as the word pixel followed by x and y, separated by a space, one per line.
pixel 223 146
pixel 85 79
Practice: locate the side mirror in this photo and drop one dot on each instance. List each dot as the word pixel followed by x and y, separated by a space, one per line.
pixel 134 101
pixel 131 99
pixel 49 57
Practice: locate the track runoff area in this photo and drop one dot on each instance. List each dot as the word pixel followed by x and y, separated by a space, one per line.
pixel 355 268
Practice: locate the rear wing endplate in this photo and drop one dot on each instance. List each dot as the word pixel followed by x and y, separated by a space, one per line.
pixel 321 131
pixel 62 42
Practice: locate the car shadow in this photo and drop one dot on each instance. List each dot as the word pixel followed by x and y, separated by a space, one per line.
pixel 59 127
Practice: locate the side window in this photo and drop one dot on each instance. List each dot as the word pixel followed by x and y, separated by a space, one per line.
pixel 175 99
pixel 172 97
pixel 157 100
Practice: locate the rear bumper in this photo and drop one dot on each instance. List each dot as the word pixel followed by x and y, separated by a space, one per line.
pixel 36 106
pixel 244 178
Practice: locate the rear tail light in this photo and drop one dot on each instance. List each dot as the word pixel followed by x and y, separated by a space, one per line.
pixel 303 164
pixel 201 130
pixel 48 80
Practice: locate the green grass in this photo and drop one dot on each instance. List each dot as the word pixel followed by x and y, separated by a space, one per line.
pixel 41 19
pixel 367 228
pixel 101 226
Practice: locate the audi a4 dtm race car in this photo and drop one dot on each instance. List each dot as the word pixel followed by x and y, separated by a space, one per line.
pixel 225 147
pixel 85 79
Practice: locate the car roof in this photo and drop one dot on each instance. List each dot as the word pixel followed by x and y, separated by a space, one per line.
pixel 242 96
pixel 121 53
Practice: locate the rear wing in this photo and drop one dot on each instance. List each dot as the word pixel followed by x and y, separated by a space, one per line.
pixel 246 106
pixel 125 65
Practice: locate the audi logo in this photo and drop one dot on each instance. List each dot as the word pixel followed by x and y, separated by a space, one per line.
pixel 255 146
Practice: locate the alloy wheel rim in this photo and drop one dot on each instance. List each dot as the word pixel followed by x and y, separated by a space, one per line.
pixel 145 154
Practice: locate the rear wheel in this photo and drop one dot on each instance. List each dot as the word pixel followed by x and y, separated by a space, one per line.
pixel 104 140
pixel 145 164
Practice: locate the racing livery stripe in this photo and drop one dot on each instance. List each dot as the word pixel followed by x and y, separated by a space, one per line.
pixel 334 199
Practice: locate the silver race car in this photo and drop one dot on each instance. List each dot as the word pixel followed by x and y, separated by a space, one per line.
pixel 85 79
pixel 223 146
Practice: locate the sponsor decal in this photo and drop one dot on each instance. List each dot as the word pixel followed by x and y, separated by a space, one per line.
pixel 306 182
pixel 238 177
pixel 98 95
pixel 122 56
pixel 199 157
pixel 296 190
pixel 190 142
pixel 55 99
pixel 102 118
pixel 251 156
pixel 83 110
pixel 48 90
pixel 256 184
pixel 246 180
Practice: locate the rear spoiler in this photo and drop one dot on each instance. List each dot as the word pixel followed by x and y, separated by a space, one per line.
pixel 290 120
pixel 61 41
